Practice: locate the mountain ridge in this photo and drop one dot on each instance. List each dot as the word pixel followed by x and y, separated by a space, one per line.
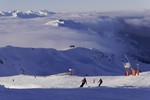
pixel 27 14
pixel 42 61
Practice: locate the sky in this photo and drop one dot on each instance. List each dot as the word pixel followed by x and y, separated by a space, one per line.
pixel 74 5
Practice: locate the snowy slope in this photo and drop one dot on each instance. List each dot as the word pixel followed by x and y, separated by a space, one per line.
pixel 42 62
pixel 107 33
pixel 66 87
pixel 103 93
pixel 66 81
pixel 38 61
pixel 37 44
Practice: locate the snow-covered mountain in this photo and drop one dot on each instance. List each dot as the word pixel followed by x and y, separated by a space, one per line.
pixel 26 14
pixel 54 23
pixel 108 33
pixel 51 61
pixel 37 49
pixel 42 62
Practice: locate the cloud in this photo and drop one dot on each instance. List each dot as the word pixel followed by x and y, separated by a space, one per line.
pixel 105 31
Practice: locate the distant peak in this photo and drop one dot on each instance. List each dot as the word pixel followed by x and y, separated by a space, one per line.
pixel 29 11
pixel 27 14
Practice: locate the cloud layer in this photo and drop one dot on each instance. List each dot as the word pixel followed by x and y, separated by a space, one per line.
pixel 105 31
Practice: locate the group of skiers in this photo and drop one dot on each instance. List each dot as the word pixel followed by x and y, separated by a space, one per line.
pixel 84 81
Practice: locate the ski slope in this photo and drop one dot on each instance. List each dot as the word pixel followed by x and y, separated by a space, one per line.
pixel 66 81
pixel 35 54
pixel 66 87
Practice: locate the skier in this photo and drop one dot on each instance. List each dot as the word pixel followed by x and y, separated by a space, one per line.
pixel 94 80
pixel 83 82
pixel 100 82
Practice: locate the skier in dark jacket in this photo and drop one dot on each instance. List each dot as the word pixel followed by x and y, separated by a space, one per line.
pixel 83 82
pixel 100 82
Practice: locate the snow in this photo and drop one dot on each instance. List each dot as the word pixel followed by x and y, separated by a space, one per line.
pixel 29 12
pixel 14 14
pixel 26 14
pixel 76 94
pixel 54 23
pixel 89 30
pixel 35 55
pixel 43 62
pixel 66 87
pixel 1 13
pixel 66 81
pixel 35 34
pixel 51 61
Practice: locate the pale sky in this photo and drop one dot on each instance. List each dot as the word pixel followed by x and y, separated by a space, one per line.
pixel 74 5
